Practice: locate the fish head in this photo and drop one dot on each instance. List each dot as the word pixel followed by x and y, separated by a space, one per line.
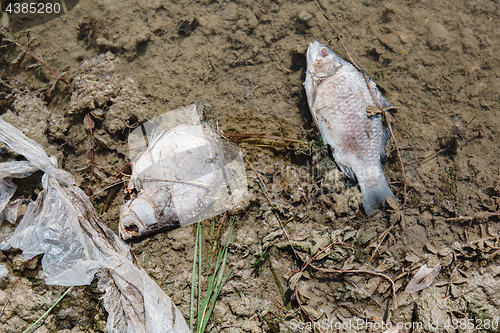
pixel 136 217
pixel 142 216
pixel 322 61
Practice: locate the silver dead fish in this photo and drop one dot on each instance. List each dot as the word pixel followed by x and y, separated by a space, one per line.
pixel 338 97
pixel 186 174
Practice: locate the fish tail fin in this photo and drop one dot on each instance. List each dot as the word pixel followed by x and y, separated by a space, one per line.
pixel 375 194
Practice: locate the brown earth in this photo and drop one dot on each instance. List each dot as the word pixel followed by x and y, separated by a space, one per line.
pixel 438 62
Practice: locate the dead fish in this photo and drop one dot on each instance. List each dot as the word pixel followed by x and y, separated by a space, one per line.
pixel 185 175
pixel 338 97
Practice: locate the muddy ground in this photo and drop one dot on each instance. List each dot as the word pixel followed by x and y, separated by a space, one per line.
pixel 437 61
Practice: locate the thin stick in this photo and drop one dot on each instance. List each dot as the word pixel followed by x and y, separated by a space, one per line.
pixel 107 188
pixel 425 158
pixel 384 235
pixel 261 182
pixel 389 118
pixel 41 62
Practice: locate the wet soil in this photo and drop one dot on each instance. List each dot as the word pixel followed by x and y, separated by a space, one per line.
pixel 438 62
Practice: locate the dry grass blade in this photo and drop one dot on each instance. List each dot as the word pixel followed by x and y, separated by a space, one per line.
pixel 337 271
pixel 261 136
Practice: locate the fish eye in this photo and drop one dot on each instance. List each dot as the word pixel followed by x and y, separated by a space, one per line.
pixel 323 52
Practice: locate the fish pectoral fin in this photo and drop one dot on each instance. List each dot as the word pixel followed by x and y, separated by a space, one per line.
pixel 345 169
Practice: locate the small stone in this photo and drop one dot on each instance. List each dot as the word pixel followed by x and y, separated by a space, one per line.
pixel 437 37
pixel 304 16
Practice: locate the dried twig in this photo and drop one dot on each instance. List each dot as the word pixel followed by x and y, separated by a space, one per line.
pixel 337 271
pixel 261 136
pixel 382 239
pixel 41 62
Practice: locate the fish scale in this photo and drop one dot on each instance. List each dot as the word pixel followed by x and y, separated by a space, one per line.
pixel 338 96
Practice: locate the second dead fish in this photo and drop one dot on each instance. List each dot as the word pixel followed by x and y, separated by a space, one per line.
pixel 185 175
pixel 338 97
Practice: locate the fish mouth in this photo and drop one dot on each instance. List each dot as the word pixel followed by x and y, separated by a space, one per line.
pixel 133 229
pixel 139 218
pixel 311 56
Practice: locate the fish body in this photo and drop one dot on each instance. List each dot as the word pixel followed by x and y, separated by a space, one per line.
pixel 182 173
pixel 338 97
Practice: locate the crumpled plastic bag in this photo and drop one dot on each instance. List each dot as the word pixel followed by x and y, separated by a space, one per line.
pixel 63 225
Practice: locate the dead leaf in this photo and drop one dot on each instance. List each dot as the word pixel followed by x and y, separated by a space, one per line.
pixel 372 110
pixel 392 203
pixel 294 279
pixel 424 278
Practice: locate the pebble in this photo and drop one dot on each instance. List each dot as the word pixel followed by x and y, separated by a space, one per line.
pixel 304 16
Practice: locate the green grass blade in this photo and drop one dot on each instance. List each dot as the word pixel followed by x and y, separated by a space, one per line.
pixel 199 240
pixel 193 274
pixel 214 298
pixel 48 311
pixel 216 288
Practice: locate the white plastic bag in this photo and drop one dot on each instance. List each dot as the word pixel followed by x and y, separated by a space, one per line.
pixel 63 225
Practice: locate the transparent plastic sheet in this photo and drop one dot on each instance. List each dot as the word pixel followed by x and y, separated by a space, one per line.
pixel 63 225
pixel 9 170
pixel 10 211
pixel 193 156
pixel 3 271
pixel 182 173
